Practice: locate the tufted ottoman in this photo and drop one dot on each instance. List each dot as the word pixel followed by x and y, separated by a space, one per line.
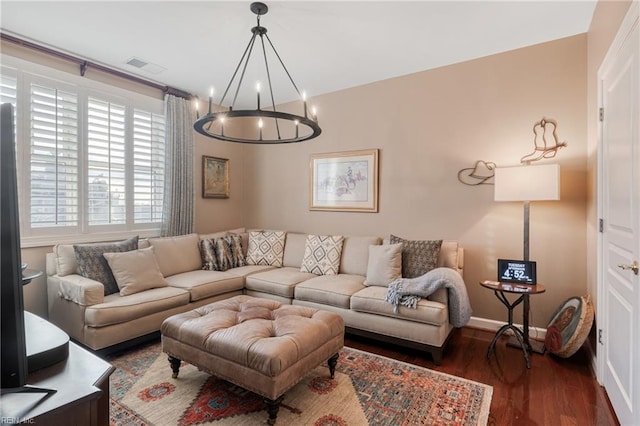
pixel 258 344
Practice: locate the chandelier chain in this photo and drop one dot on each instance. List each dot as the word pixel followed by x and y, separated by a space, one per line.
pixel 266 65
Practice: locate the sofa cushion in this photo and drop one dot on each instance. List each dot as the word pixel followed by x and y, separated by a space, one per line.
pixel 355 254
pixel 418 257
pixel 202 284
pixel 384 265
pixel 266 248
pixel 322 254
pixel 177 254
pixel 243 271
pixel 65 259
pixel 294 249
pixel 135 271
pixel 372 300
pixel 450 255
pixel 279 281
pixel 118 309
pixel 93 265
pixel 333 290
pixel 221 233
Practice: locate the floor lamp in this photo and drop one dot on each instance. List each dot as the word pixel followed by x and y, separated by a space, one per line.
pixel 527 183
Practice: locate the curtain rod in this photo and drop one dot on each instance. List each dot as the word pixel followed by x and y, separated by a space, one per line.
pixel 84 65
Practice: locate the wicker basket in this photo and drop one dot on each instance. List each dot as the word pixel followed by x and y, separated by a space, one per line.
pixel 582 328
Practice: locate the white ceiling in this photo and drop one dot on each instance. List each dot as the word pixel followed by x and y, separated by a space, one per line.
pixel 326 45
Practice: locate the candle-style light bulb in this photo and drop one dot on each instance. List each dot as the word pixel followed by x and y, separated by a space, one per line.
pixel 222 125
pixel 258 90
pixel 260 124
pixel 297 122
pixel 197 109
pixel 314 111
pixel 304 103
pixel 210 98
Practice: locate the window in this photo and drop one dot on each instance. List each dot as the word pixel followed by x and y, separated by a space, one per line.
pixel 92 161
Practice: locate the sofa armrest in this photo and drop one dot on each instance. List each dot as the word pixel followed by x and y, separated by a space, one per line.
pixel 80 290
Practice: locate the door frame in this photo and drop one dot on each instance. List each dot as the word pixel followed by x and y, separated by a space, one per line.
pixel 630 20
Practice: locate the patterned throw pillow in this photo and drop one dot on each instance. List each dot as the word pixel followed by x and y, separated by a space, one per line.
pixel 322 254
pixel 266 248
pixel 208 254
pixel 220 254
pixel 418 257
pixel 93 265
pixel 229 251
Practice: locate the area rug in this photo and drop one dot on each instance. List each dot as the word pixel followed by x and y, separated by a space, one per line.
pixel 367 390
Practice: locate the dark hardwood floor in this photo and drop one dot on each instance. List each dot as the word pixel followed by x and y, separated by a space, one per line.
pixel 555 391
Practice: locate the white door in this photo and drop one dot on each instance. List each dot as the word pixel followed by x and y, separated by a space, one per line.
pixel 620 209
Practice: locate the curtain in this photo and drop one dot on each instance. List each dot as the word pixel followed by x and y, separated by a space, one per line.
pixel 178 214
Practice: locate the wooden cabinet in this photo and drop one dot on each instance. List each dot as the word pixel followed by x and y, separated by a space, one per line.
pixel 81 398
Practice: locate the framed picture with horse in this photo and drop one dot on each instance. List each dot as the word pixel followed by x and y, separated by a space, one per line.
pixel 344 181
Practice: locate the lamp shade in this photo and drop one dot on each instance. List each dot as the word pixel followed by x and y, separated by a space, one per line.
pixel 527 183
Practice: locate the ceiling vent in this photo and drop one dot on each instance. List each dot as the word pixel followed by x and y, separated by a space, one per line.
pixel 144 65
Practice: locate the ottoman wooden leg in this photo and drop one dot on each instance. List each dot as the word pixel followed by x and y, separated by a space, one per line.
pixel 272 408
pixel 175 366
pixel 333 361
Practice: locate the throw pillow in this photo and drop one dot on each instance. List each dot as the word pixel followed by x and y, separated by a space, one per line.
pixel 266 248
pixel 135 271
pixel 93 265
pixel 385 264
pixel 418 257
pixel 229 252
pixel 220 254
pixel 208 254
pixel 322 254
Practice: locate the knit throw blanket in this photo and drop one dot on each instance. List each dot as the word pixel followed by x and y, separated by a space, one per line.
pixel 408 291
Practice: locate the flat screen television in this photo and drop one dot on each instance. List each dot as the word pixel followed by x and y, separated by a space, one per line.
pixel 13 343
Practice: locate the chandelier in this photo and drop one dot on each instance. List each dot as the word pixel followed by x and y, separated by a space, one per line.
pixel 271 126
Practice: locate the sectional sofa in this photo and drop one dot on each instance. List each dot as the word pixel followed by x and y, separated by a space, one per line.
pixel 79 306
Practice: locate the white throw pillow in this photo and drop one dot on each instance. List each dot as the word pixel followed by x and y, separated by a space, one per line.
pixel 266 248
pixel 385 264
pixel 322 254
pixel 135 271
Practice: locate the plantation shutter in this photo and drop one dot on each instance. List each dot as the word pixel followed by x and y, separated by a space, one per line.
pixel 8 89
pixel 106 195
pixel 148 166
pixel 53 157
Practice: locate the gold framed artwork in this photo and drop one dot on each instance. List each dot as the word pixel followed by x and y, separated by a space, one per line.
pixel 344 181
pixel 215 177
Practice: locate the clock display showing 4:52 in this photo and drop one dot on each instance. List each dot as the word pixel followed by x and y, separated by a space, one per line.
pixel 517 271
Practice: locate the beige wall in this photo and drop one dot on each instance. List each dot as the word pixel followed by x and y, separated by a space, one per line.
pixel 429 125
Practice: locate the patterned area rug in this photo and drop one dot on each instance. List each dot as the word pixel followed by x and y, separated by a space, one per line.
pixel 368 390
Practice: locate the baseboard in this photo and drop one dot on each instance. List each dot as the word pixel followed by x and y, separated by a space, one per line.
pixel 493 325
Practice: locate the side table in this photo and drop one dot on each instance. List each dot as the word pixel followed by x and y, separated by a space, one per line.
pixel 521 336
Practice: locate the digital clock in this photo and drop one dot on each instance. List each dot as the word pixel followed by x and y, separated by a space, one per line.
pixel 516 271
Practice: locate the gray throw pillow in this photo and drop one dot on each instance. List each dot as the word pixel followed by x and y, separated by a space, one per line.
pixel 93 265
pixel 418 257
